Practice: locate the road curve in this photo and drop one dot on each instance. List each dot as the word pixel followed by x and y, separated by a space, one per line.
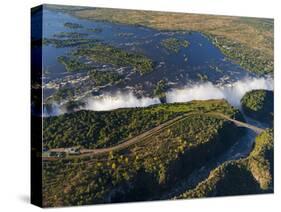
pixel 240 123
pixel 149 133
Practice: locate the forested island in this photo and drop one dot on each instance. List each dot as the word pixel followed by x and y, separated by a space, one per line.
pixel 259 105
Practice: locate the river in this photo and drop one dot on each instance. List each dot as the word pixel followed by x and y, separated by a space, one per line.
pixel 203 58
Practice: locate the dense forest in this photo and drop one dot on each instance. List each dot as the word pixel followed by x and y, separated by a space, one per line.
pixel 98 129
pixel 151 168
pixel 145 170
pixel 107 54
pixel 195 149
pixel 96 51
pixel 251 175
pixel 258 104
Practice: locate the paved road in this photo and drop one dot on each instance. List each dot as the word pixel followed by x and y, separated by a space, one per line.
pixel 149 133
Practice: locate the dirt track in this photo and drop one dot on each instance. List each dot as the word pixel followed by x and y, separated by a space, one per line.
pixel 149 133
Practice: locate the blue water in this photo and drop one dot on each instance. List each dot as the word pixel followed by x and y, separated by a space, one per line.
pixel 203 58
pixel 202 55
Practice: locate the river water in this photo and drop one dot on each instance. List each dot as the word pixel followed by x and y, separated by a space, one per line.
pixel 202 58
pixel 241 149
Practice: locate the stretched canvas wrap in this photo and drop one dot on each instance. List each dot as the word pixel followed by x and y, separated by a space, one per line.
pixel 132 105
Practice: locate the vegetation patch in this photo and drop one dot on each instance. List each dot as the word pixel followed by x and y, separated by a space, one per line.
pixel 70 35
pixel 156 162
pixel 258 104
pixel 95 30
pixel 72 25
pixel 73 64
pixel 202 77
pixel 71 42
pixel 63 93
pixel 251 175
pixel 92 129
pixel 99 53
pixel 102 53
pixel 160 90
pixel 174 45
pixel 251 59
pixel 101 78
pixel 248 41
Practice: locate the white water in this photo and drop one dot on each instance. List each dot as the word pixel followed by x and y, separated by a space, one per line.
pixel 119 100
pixel 232 94
pixel 204 91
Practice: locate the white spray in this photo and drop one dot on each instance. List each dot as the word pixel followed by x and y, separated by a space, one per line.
pixel 204 91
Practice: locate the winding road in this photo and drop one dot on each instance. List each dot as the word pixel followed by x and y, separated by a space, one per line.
pixel 135 140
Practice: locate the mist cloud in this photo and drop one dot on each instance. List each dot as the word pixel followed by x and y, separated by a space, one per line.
pixel 204 91
pixel 232 93
pixel 119 100
pixel 52 110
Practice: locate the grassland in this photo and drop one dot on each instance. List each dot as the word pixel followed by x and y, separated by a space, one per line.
pixel 247 41
pixel 144 170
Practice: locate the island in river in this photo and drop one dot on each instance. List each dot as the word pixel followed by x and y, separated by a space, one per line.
pixel 152 107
